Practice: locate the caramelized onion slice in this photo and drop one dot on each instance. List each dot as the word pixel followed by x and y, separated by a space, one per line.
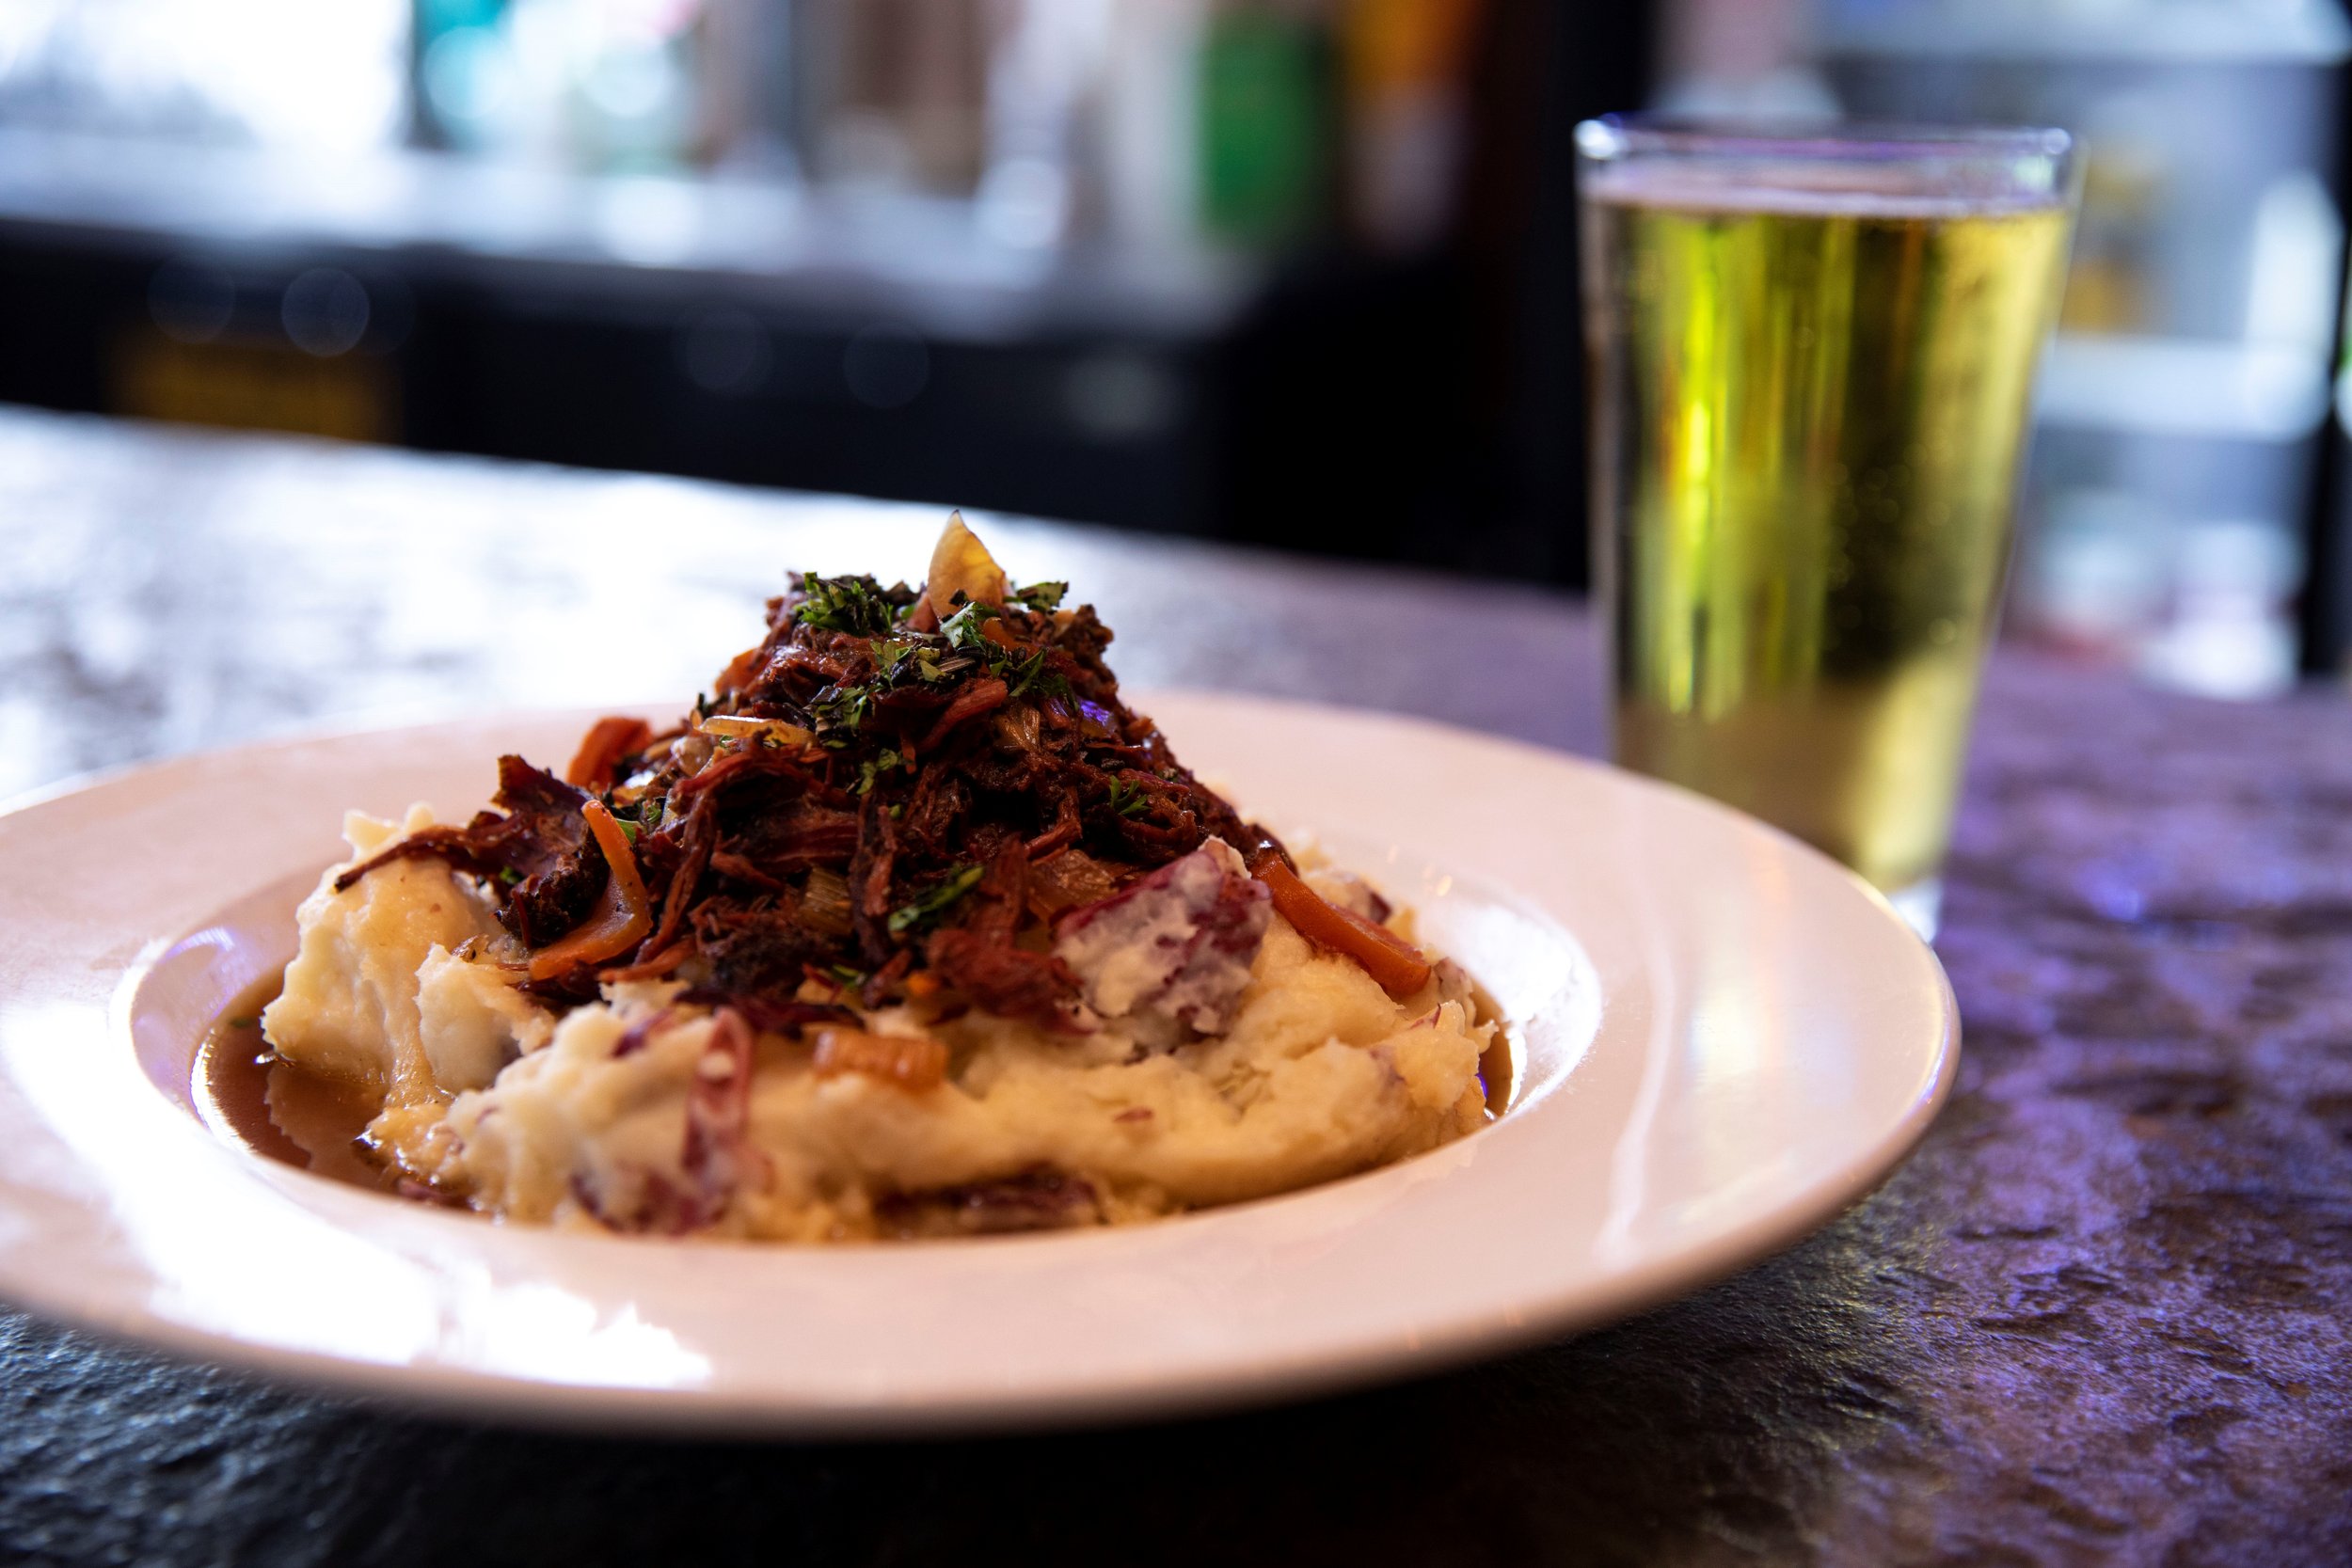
pixel 730 726
pixel 1396 964
pixel 912 1062
pixel 622 916
pixel 825 907
pixel 1067 881
pixel 962 564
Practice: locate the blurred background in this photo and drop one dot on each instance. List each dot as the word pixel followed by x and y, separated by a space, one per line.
pixel 1299 273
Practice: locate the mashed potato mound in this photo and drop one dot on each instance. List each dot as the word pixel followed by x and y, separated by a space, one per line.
pixel 639 1112
pixel 910 926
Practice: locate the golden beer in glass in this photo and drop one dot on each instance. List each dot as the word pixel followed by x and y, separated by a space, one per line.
pixel 1812 368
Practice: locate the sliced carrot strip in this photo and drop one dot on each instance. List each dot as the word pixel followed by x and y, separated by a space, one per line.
pixel 601 748
pixel 622 916
pixel 739 673
pixel 1389 958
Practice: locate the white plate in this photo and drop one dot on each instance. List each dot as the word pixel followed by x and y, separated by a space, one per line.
pixel 1726 1039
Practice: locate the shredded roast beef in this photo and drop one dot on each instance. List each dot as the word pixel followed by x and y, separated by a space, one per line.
pixel 536 852
pixel 878 805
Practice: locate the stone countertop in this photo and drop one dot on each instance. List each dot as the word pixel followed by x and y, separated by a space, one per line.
pixel 2103 1315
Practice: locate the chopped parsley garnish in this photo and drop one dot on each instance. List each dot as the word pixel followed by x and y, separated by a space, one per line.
pixel 509 875
pixel 856 605
pixel 926 907
pixel 1030 676
pixel 1018 676
pixel 838 711
pixel 899 656
pixel 1128 798
pixel 896 658
pixel 962 629
pixel 874 766
pixel 1042 595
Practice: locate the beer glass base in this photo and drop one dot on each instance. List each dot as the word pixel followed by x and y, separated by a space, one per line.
pixel 1921 904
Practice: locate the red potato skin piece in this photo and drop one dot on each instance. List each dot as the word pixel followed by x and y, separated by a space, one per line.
pixel 716 1160
pixel 718 1156
pixel 1396 964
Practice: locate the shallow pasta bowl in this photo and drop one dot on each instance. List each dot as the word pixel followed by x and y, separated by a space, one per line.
pixel 1723 1038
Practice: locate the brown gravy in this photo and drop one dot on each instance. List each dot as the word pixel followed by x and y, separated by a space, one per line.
pixel 1499 1070
pixel 275 1109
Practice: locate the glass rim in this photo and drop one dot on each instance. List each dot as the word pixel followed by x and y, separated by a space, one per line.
pixel 1611 138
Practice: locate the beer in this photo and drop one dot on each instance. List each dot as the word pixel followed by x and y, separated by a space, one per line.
pixel 1809 408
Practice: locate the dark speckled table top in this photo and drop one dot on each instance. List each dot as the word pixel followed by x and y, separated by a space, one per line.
pixel 2103 1315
